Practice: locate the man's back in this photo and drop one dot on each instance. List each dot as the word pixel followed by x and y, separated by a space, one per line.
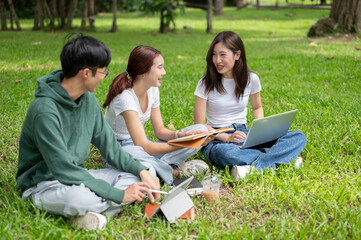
pixel 66 126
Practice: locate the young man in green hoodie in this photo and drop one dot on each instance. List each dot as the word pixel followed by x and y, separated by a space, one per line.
pixel 61 123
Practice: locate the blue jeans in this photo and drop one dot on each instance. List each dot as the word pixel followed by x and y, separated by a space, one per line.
pixel 264 156
pixel 162 163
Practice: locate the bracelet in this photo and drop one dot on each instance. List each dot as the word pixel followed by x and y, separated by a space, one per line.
pixel 176 133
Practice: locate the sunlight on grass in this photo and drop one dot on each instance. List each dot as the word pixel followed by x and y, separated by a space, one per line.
pixel 321 80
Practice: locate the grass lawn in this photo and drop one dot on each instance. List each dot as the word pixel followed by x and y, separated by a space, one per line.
pixel 320 200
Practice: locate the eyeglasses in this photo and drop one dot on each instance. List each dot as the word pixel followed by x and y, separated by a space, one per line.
pixel 105 73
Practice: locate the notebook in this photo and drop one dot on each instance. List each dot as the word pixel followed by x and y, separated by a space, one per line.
pixel 267 129
pixel 197 140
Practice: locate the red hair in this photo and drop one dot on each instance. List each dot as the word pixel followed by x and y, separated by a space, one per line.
pixel 140 61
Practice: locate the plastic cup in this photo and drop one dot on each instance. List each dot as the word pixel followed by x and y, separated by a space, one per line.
pixel 211 185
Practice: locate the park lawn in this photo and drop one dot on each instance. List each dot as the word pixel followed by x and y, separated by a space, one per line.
pixel 320 200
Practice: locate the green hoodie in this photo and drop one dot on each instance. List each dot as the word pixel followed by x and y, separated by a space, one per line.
pixel 56 137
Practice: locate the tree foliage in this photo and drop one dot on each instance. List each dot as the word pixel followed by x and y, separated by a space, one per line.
pixel 59 14
pixel 166 8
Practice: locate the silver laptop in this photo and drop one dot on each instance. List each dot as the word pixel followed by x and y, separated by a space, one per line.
pixel 267 129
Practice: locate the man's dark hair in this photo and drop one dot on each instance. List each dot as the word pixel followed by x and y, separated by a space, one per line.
pixel 83 52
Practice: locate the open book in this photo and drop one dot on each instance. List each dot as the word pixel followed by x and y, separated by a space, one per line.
pixel 197 140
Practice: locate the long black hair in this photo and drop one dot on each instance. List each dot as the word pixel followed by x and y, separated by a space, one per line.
pixel 212 79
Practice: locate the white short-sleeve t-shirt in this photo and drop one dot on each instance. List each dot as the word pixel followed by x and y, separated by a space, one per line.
pixel 224 109
pixel 125 101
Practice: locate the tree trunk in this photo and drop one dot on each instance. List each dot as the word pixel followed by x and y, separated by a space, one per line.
pixel 47 13
pixel 347 14
pixel 164 26
pixel 14 16
pixel 114 6
pixel 62 13
pixel 196 5
pixel 91 15
pixel 209 16
pixel 72 8
pixel 323 2
pixel 41 20
pixel 242 3
pixel 2 15
pixel 84 15
pixel 218 7
pixel 53 11
pixel 37 15
pixel 258 6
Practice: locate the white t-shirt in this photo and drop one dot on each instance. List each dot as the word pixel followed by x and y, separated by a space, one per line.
pixel 224 109
pixel 125 101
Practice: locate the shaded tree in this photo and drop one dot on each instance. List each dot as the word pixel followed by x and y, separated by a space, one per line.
pixel 71 12
pixel 53 12
pixel 45 15
pixel 166 8
pixel 345 16
pixel 209 16
pixel 13 16
pixel 88 14
pixel 84 14
pixel 207 7
pixel 2 15
pixel 62 13
pixel 114 8
pixel 243 3
pixel 91 17
pixel 38 19
pixel 218 7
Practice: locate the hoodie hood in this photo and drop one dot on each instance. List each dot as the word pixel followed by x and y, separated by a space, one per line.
pixel 50 86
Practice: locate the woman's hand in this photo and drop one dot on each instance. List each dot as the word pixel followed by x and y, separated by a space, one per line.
pixel 235 136
pixel 189 133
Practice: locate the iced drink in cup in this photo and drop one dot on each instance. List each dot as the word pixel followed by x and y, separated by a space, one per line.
pixel 211 185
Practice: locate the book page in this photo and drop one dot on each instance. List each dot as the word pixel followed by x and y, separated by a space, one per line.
pixel 200 135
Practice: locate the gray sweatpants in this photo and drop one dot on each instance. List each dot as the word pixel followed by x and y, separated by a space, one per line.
pixel 76 200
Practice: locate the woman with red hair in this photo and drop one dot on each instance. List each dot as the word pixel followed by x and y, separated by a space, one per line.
pixel 133 101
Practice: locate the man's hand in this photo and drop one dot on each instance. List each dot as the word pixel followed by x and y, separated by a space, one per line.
pixel 136 192
pixel 153 184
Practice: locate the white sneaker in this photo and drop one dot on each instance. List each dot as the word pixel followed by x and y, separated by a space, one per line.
pixel 90 221
pixel 240 172
pixel 298 162
pixel 193 167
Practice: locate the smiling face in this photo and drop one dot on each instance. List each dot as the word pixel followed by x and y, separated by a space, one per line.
pixel 155 74
pixel 93 81
pixel 224 59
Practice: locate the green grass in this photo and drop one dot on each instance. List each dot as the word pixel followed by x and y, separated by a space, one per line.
pixel 290 2
pixel 320 200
